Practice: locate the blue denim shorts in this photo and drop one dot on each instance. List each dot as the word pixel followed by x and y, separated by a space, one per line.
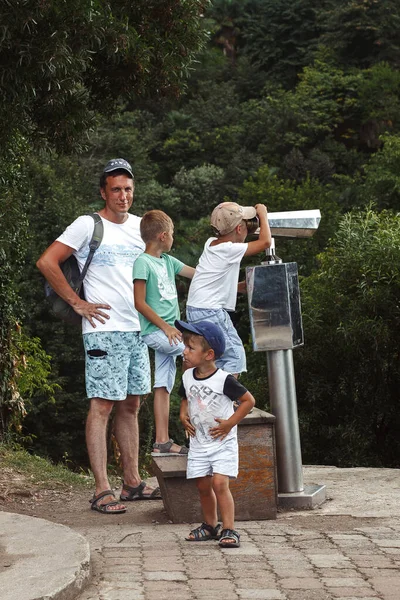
pixel 233 359
pixel 117 364
pixel 165 358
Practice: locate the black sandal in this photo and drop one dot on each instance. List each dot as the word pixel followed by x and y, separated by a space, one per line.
pixel 204 533
pixel 105 507
pixel 129 493
pixel 229 534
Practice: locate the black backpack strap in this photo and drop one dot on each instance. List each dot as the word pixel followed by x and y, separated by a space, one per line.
pixel 95 242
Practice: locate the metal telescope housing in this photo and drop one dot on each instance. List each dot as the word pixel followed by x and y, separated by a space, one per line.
pixel 276 327
pixel 293 223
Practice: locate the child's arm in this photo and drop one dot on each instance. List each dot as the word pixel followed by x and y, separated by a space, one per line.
pixel 139 291
pixel 184 417
pixel 264 239
pixel 221 430
pixel 242 287
pixel 187 272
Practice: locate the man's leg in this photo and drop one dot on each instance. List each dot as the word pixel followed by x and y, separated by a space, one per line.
pixel 96 434
pixel 127 434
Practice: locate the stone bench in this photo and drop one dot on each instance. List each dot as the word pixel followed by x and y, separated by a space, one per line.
pixel 255 489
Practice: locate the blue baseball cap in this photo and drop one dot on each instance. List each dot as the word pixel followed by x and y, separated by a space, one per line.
pixel 117 164
pixel 211 332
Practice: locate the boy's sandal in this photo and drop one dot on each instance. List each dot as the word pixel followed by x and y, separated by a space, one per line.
pixel 130 493
pixel 164 449
pixel 204 532
pixel 229 534
pixel 106 507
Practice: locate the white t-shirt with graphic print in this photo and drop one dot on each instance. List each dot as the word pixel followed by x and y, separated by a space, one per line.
pixel 208 399
pixel 109 277
pixel 215 281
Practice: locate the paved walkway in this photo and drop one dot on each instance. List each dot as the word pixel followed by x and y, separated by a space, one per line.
pixel 349 549
pixel 276 561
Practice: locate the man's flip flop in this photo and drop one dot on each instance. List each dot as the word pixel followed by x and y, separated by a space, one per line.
pixel 229 534
pixel 106 507
pixel 136 493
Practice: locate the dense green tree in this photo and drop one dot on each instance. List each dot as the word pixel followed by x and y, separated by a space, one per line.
pixel 361 32
pixel 348 373
pixel 60 60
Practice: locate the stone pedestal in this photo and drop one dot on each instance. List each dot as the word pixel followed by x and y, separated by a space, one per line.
pixel 255 489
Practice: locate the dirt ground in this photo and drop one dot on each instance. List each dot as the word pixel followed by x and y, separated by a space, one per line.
pixel 351 493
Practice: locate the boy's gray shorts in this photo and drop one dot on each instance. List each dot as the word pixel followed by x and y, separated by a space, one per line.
pixel 233 359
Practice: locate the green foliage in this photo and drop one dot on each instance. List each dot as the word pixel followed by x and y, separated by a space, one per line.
pixel 361 32
pixel 348 374
pixel 382 178
pixel 62 60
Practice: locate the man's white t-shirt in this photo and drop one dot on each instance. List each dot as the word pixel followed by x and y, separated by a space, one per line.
pixel 109 277
pixel 214 284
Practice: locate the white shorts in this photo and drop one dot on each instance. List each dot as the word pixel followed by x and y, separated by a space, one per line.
pixel 222 459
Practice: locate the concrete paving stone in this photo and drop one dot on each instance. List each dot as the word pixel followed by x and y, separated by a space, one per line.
pixel 121 554
pixel 308 595
pixel 124 544
pixel 346 536
pixel 234 556
pixel 352 592
pixel 316 544
pixel 300 583
pixel 243 550
pixel 377 560
pixel 217 585
pixel 209 595
pixel 372 573
pixel 329 560
pixel 177 596
pixel 122 595
pixel 165 575
pixel 121 568
pixel 208 574
pixel 248 570
pixel 126 585
pixel 115 577
pixel 266 594
pixel 362 598
pixel 270 539
pixel 160 553
pixel 167 587
pixel 165 565
pixel 336 573
pixel 386 585
pixel 256 582
pixel 387 543
pixel 287 572
pixel 390 551
pixel 123 561
pixel 345 582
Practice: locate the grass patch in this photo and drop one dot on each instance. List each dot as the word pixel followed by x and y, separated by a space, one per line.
pixel 40 470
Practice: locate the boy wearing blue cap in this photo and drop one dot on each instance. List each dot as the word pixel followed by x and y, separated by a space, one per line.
pixel 209 419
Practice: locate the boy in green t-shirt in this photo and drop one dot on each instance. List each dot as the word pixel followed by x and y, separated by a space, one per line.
pixel 156 300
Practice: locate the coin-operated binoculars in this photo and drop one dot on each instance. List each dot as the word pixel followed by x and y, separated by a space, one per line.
pixel 276 327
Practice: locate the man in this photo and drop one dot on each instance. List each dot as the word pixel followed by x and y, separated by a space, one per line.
pixel 117 362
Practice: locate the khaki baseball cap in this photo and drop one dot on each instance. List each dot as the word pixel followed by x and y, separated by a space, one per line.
pixel 227 215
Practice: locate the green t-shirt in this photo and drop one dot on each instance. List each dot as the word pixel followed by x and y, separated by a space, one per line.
pixel 161 294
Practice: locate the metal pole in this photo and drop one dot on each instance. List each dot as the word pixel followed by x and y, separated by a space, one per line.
pixel 282 388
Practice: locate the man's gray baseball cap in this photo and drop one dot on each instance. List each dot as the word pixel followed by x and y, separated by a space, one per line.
pixel 116 164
